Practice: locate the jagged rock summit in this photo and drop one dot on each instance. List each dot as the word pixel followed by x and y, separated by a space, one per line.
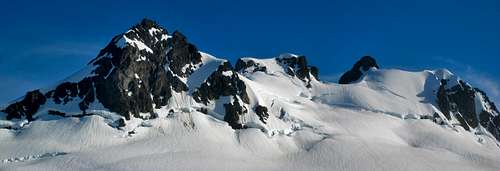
pixel 467 106
pixel 136 71
pixel 147 68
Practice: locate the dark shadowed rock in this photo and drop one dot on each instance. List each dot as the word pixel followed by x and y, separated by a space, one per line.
pixel 26 107
pixel 86 93
pixel 233 112
pixel 460 101
pixel 184 56
pixel 356 72
pixel 129 78
pixel 443 101
pixel 463 98
pixel 489 118
pixel 314 72
pixel 56 113
pixel 261 111
pixel 118 123
pixel 225 82
pixel 249 65
pixel 297 66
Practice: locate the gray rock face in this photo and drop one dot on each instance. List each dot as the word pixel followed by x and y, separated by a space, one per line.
pixel 68 91
pixel 356 72
pixel 130 79
pixel 225 82
pixel 183 55
pixel 297 66
pixel 460 101
pixel 233 112
pixel 26 107
pixel 262 113
pixel 137 70
pixel 242 66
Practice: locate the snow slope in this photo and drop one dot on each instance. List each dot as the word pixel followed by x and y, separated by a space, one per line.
pixel 400 93
pixel 374 124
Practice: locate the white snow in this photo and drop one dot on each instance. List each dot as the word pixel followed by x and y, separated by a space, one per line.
pixel 136 43
pixel 153 30
pixel 141 58
pixel 447 75
pixel 185 67
pixel 165 37
pixel 227 73
pixel 287 55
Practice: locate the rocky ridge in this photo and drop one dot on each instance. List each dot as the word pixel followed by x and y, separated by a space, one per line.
pixel 146 69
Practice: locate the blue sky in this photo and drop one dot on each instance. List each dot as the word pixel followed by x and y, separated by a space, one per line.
pixel 43 42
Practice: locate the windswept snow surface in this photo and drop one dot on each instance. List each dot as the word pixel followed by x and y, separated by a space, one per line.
pixel 370 125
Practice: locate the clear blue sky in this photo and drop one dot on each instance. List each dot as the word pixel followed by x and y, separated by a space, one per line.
pixel 44 41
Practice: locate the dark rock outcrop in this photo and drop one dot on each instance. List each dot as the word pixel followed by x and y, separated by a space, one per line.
pixel 261 111
pixel 225 82
pixel 489 118
pixel 62 114
pixel 249 65
pixel 356 72
pixel 297 66
pixel 233 112
pixel 459 102
pixel 184 56
pixel 130 78
pixel 67 91
pixel 443 101
pixel 27 107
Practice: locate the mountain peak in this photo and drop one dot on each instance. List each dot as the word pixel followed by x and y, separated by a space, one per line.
pixel 146 22
pixel 366 62
pixel 358 69
pixel 136 72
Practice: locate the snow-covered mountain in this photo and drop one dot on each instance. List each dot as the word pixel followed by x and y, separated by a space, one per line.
pixel 151 100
